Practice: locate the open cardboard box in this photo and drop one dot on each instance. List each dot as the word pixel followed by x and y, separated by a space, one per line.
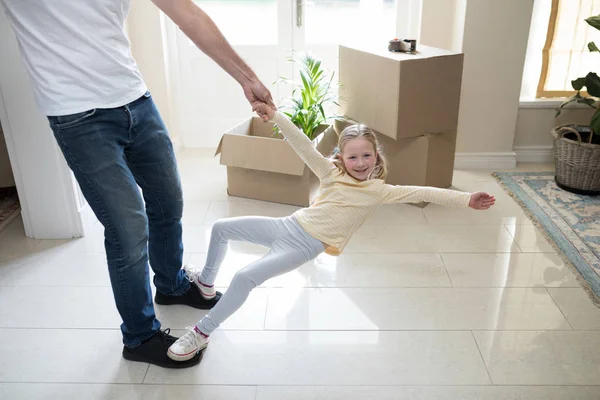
pixel 265 167
pixel 398 94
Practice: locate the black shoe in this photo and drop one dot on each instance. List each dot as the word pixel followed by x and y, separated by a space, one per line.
pixel 154 351
pixel 191 298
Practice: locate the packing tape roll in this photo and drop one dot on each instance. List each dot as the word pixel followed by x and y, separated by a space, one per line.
pixel 402 45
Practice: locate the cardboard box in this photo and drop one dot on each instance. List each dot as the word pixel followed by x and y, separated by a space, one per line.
pixel 265 167
pixel 426 160
pixel 398 94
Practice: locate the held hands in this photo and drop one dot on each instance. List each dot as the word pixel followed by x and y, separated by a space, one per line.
pixel 266 112
pixel 255 91
pixel 481 201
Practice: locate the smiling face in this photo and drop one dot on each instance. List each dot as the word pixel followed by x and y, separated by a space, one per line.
pixel 359 157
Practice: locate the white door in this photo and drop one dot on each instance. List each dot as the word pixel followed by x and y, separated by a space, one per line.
pixel 264 33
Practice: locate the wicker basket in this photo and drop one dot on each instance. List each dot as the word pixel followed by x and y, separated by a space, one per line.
pixel 577 163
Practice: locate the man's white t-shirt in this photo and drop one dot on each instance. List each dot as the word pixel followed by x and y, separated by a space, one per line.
pixel 76 53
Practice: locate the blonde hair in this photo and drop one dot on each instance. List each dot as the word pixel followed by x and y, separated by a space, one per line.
pixel 360 131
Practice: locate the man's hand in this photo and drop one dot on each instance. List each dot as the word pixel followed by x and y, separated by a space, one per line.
pixel 481 201
pixel 255 92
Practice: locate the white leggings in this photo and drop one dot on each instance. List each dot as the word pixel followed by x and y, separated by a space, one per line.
pixel 290 247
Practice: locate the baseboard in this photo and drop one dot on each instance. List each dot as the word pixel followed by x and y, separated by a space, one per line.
pixel 534 154
pixel 177 145
pixel 499 160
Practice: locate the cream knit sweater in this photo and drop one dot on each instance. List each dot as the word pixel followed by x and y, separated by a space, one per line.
pixel 344 203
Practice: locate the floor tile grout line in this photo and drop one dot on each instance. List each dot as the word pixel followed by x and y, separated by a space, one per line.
pixel 266 308
pixel 330 330
pixel 378 252
pixel 446 269
pixel 347 253
pixel 559 309
pixel 482 358
pixel 255 252
pixel 146 374
pixel 425 216
pixel 515 241
pixel 472 287
pixel 210 203
pixel 243 385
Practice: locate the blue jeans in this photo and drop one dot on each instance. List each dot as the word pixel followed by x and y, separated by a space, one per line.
pixel 111 152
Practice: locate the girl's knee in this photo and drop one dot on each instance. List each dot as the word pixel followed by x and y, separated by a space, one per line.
pixel 244 279
pixel 220 229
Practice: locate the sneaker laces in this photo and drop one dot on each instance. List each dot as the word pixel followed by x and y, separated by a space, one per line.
pixel 192 273
pixel 190 339
pixel 166 335
pixel 166 332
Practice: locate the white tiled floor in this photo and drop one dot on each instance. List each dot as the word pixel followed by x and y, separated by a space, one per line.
pixel 432 303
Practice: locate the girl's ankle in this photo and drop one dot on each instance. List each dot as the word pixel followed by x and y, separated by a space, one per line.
pixel 198 331
pixel 204 284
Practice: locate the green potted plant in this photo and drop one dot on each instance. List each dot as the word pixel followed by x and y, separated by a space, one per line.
pixel 311 97
pixel 577 147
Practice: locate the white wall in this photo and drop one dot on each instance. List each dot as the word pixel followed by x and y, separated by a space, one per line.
pixel 533 140
pixel 493 36
pixel 444 23
pixel 494 43
pixel 535 124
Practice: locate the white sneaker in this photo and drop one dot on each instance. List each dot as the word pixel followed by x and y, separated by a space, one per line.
pixel 187 346
pixel 193 274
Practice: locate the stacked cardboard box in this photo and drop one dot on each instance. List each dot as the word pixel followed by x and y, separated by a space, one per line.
pixel 411 101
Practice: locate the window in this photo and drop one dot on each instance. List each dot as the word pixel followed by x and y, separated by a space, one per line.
pixel 565 55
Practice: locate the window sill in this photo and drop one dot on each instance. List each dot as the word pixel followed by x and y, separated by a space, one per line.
pixel 547 103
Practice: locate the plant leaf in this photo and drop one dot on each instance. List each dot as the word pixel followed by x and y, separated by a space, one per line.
pixel 592 83
pixel 311 95
pixel 594 21
pixel 570 100
pixel 322 111
pixel 316 67
pixel 318 76
pixel 592 47
pixel 578 83
pixel 587 101
pixel 304 80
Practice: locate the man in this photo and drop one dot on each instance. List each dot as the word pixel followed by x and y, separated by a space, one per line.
pixel 85 80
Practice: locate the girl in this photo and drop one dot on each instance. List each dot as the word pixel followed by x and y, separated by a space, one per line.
pixel 352 187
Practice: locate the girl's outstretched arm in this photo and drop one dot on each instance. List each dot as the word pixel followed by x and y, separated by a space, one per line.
pixel 303 146
pixel 416 194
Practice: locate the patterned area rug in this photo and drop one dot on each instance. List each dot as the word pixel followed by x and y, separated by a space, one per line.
pixel 9 206
pixel 571 222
